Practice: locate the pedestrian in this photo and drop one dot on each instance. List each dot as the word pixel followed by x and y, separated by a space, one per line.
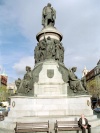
pixel 83 124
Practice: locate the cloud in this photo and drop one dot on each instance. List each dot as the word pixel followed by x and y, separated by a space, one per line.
pixel 78 21
pixel 20 66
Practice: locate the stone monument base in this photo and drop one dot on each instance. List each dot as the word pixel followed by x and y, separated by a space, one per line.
pixel 50 106
pixel 36 109
pixel 52 79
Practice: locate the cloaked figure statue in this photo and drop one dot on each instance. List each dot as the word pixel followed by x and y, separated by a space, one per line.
pixel 48 16
pixel 75 83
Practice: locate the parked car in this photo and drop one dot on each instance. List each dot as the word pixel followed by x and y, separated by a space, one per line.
pixel 97 110
pixel 3 111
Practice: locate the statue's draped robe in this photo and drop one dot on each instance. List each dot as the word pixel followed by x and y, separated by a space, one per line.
pixel 48 13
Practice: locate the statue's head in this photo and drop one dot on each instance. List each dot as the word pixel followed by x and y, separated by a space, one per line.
pixel 19 79
pixel 49 4
pixel 28 68
pixel 48 37
pixel 74 69
pixel 56 41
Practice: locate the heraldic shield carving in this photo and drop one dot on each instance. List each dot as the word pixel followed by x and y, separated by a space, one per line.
pixel 50 73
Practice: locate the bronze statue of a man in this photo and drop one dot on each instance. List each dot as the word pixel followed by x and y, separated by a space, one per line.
pixel 75 83
pixel 17 83
pixel 25 85
pixel 48 16
pixel 37 53
pixel 27 79
pixel 50 48
pixel 57 49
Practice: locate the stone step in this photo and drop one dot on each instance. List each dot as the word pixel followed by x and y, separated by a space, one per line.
pixel 10 122
pixel 7 125
pixel 6 131
pixel 61 118
pixel 93 130
pixel 45 112
pixel 94 123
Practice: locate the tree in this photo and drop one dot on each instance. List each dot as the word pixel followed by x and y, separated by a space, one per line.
pixel 3 93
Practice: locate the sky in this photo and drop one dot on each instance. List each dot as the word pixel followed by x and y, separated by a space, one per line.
pixel 20 22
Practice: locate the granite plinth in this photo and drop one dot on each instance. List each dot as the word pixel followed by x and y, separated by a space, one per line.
pixel 50 81
pixel 50 106
pixel 49 31
pixel 36 109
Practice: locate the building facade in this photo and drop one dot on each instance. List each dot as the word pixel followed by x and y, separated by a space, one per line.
pixel 11 88
pixel 93 81
pixel 3 80
pixel 3 86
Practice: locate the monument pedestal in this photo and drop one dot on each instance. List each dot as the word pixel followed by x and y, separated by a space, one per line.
pixel 50 80
pixel 37 109
pixel 59 106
